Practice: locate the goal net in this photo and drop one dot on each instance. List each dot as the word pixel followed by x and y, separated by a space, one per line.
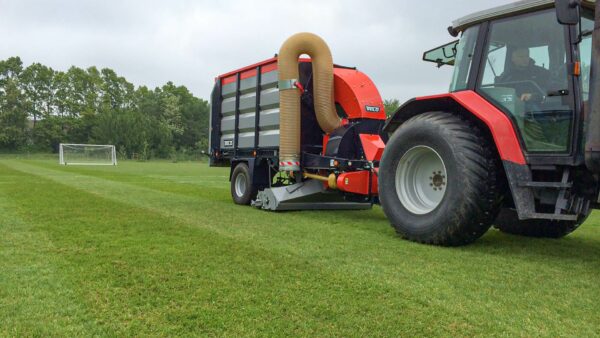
pixel 87 154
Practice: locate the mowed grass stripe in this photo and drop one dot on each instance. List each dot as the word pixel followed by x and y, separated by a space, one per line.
pixel 214 210
pixel 160 173
pixel 150 278
pixel 36 299
pixel 469 289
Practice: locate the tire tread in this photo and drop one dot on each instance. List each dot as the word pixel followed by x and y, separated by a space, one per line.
pixel 481 182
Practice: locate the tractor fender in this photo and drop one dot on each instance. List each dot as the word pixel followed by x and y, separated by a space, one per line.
pixel 471 103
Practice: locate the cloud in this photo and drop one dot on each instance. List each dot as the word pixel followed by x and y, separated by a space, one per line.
pixel 190 42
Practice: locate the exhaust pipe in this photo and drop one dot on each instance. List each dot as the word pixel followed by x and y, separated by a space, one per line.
pixel 289 97
pixel 592 133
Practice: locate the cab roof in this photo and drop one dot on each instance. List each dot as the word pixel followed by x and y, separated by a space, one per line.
pixel 512 9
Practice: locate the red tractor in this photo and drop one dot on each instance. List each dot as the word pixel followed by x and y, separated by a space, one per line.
pixel 515 142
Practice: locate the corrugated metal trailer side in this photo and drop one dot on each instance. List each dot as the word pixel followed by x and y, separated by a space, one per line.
pixel 245 113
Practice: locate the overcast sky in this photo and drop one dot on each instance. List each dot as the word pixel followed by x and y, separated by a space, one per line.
pixel 191 42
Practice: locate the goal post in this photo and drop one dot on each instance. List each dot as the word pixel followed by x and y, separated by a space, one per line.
pixel 87 154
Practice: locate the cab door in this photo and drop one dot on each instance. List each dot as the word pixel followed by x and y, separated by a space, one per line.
pixel 525 72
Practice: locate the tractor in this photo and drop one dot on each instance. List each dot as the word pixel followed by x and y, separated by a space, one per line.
pixel 515 141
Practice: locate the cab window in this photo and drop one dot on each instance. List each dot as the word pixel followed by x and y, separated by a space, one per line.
pixel 464 59
pixel 585 52
pixel 525 75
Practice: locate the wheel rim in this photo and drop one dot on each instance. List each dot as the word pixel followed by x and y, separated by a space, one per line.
pixel 421 180
pixel 240 185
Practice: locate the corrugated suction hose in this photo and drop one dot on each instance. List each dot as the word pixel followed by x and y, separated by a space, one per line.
pixel 289 95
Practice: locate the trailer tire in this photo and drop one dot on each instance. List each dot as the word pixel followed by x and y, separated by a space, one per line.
pixel 242 189
pixel 508 222
pixel 468 179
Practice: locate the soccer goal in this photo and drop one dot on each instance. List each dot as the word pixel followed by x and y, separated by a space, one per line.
pixel 87 154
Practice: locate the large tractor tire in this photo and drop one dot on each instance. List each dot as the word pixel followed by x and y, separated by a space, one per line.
pixel 508 222
pixel 439 180
pixel 242 189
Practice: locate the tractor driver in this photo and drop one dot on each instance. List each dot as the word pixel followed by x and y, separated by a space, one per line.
pixel 525 77
pixel 531 83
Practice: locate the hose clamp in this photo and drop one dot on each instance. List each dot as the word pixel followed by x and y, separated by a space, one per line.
pixel 287 84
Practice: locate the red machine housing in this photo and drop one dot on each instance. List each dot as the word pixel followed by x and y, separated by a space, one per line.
pixel 360 100
pixel 357 94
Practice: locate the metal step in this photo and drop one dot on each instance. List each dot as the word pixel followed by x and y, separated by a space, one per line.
pixel 553 185
pixel 554 217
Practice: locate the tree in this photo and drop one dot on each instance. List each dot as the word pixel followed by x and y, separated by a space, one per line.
pixel 194 114
pixel 13 105
pixel 37 83
pixel 116 91
pixel 60 87
pixel 92 91
pixel 49 133
pixel 10 69
pixel 172 114
pixel 390 106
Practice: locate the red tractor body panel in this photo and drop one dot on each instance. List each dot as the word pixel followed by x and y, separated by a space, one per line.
pixel 499 124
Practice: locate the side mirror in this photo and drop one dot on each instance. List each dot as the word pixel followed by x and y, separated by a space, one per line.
pixel 567 12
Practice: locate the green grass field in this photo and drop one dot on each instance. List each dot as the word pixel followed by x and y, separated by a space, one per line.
pixel 158 248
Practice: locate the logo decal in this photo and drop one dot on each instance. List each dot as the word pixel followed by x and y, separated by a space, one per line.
pixel 372 109
pixel 228 143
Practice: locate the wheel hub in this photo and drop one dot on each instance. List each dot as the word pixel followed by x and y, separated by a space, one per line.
pixel 437 180
pixel 421 180
pixel 240 185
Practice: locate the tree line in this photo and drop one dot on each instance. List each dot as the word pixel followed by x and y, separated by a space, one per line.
pixel 41 107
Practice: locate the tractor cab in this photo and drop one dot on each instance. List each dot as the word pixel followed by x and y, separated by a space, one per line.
pixel 538 77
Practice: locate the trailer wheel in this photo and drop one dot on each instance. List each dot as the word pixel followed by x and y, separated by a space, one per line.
pixel 508 222
pixel 242 189
pixel 438 180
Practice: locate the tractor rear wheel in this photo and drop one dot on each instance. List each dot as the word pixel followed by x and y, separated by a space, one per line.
pixel 438 180
pixel 508 222
pixel 242 189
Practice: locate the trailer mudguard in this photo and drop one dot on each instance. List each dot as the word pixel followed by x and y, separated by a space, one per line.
pixel 500 126
pixel 258 170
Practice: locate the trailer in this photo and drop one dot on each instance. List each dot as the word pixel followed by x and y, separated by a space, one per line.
pixel 515 143
pixel 339 170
